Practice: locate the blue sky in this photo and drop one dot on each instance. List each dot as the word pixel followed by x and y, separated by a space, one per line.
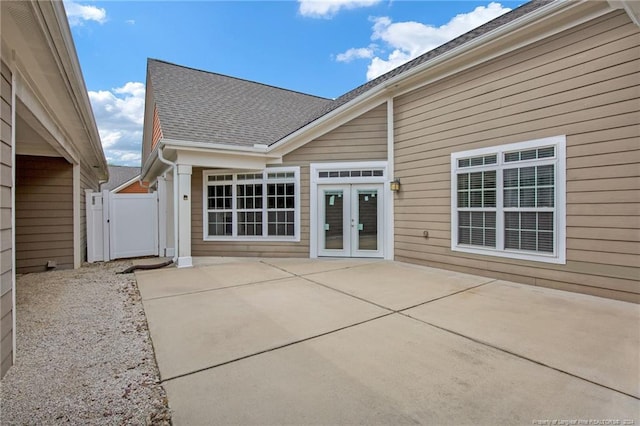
pixel 323 48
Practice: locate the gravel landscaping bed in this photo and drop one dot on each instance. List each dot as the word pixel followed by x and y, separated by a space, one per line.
pixel 84 355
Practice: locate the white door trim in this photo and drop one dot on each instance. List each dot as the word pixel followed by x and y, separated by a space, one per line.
pixel 314 208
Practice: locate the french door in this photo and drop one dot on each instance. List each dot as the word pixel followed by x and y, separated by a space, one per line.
pixel 350 220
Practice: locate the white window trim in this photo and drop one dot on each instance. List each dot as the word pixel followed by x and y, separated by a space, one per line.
pixel 245 238
pixel 559 255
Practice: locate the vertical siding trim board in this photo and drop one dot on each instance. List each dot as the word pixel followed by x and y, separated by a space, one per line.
pixel 7 221
pixel 77 237
pixel 390 222
pixel 13 215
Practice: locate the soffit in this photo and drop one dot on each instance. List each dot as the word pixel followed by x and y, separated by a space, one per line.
pixel 41 69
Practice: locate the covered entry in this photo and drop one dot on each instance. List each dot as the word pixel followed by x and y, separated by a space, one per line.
pixel 348 209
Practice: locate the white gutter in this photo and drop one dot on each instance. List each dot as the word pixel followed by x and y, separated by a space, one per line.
pixel 256 148
pixel 149 161
pixel 142 184
pixel 175 202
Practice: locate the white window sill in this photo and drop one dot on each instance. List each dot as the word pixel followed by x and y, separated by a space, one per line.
pixel 255 239
pixel 517 255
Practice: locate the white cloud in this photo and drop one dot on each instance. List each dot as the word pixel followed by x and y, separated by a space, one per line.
pixel 356 53
pixel 78 13
pixel 130 21
pixel 119 114
pixel 328 8
pixel 406 40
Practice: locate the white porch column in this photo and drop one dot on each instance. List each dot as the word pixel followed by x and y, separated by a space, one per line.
pixel 184 215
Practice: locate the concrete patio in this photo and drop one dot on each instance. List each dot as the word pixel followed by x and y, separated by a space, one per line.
pixel 344 341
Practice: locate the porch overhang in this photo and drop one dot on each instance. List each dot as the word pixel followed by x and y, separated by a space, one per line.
pixel 207 155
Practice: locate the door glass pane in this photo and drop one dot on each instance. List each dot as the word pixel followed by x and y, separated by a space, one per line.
pixel 367 226
pixel 333 220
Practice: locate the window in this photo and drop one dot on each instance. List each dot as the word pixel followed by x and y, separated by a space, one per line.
pixel 219 205
pixel 252 206
pixel 350 173
pixel 508 200
pixel 281 208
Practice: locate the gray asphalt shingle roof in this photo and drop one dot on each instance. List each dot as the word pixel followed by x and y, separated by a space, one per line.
pixel 119 175
pixel 202 106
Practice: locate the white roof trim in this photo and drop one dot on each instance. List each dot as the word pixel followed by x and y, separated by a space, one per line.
pixel 393 83
pixel 631 7
pixel 71 67
pixel 127 183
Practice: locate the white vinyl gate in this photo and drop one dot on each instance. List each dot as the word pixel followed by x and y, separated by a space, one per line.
pixel 121 225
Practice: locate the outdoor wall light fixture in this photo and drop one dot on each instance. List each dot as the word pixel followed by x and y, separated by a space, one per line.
pixel 395 185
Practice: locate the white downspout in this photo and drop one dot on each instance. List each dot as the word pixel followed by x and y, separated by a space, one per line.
pixel 175 202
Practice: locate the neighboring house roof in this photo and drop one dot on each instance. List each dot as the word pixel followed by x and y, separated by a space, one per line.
pixel 202 106
pixel 119 175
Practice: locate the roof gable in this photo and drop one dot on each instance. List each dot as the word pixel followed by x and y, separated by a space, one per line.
pixel 200 106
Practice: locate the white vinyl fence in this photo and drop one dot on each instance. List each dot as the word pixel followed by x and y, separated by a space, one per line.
pixel 121 225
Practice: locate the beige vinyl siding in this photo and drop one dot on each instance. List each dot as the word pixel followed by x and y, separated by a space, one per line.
pixel 6 267
pixel 361 139
pixel 87 181
pixel 582 83
pixel 44 213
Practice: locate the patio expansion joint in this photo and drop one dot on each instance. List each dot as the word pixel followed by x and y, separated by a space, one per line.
pixel 320 272
pixel 398 311
pixel 306 278
pixel 392 311
pixel 188 293
pixel 517 355
pixel 316 336
pixel 447 295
